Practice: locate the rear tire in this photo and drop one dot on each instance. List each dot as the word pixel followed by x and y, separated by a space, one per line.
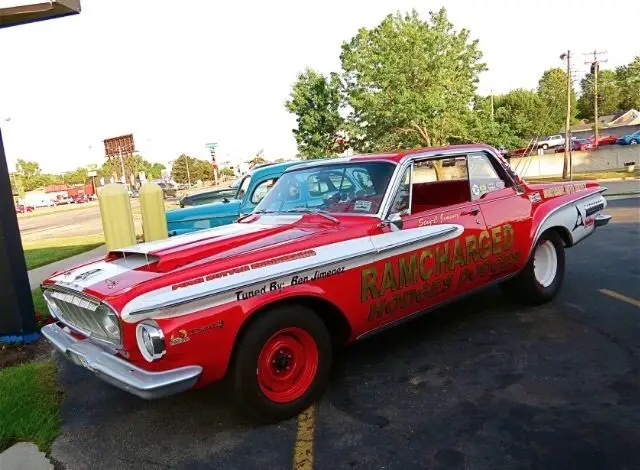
pixel 541 279
pixel 282 364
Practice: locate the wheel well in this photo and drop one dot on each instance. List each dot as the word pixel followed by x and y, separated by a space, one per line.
pixel 333 318
pixel 563 233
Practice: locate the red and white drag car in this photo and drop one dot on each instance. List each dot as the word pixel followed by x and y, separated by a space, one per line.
pixel 338 250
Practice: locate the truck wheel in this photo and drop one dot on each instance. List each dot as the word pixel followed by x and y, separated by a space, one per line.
pixel 281 364
pixel 545 146
pixel 542 277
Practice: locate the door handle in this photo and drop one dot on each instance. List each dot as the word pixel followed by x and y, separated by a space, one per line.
pixel 471 212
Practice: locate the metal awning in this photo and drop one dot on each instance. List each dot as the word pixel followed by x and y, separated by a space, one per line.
pixel 17 12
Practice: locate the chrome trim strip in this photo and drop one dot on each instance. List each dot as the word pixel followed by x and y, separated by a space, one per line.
pixel 119 372
pixel 266 278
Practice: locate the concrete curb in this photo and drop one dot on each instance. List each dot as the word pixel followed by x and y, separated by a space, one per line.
pixel 24 456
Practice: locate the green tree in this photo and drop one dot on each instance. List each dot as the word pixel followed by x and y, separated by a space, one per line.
pixel 27 169
pixel 155 170
pixel 628 78
pixel 17 185
pixel 552 89
pixel 608 94
pixel 257 160
pixel 410 82
pixel 196 169
pixel 316 101
pixel 77 176
pixel 228 172
pixel 522 112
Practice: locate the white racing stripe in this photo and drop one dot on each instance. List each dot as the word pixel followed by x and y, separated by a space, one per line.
pixel 91 274
pixel 324 261
pixel 213 234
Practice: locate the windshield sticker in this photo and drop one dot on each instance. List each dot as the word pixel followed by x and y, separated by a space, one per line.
pixel 475 190
pixel 362 206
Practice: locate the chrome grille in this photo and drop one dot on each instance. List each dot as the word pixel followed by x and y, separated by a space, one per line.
pixel 82 314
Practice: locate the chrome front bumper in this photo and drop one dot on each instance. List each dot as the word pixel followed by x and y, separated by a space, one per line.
pixel 119 372
pixel 602 220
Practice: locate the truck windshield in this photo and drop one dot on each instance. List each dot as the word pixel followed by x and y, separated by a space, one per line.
pixel 353 187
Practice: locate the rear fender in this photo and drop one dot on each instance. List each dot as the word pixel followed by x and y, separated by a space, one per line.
pixel 573 214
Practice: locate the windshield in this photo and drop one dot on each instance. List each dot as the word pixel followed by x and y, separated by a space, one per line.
pixel 352 187
pixel 236 183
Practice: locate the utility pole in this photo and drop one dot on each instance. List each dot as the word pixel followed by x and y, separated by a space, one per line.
pixel 123 178
pixel 566 169
pixel 491 105
pixel 595 68
pixel 186 161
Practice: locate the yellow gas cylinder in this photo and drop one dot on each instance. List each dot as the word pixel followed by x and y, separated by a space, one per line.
pixel 117 220
pixel 154 220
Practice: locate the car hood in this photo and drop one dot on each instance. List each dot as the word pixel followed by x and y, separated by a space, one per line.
pixel 148 266
pixel 204 211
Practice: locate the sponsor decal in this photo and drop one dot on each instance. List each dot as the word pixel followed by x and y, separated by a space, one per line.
pixel 440 218
pixel 579 220
pixel 475 190
pixel 364 206
pixel 535 197
pixel 218 325
pixel 294 280
pixel 431 271
pixel 84 276
pixel 589 221
pixel 561 190
pixel 180 338
pixel 245 268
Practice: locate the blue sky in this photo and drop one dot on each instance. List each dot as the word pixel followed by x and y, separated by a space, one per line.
pixel 181 74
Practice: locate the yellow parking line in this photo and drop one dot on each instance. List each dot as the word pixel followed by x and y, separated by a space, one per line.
pixel 303 451
pixel 624 298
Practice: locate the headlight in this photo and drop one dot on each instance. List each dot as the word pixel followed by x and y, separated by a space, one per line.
pixel 110 324
pixel 150 340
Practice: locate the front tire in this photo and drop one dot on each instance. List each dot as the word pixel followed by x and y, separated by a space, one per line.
pixel 545 146
pixel 282 363
pixel 540 280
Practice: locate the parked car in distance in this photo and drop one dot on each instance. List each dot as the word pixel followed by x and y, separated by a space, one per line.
pixel 603 140
pixel 80 199
pixel 551 142
pixel 249 191
pixel 168 190
pixel 577 145
pixel 630 139
pixel 22 208
pixel 337 251
pixel 211 195
pixel 64 200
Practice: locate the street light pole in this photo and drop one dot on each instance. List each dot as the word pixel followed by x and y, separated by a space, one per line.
pixel 123 179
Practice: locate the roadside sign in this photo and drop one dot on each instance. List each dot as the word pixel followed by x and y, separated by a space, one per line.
pixel 91 174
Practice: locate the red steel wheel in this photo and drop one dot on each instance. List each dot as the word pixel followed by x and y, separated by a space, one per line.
pixel 287 365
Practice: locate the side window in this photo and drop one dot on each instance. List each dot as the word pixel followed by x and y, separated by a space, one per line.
pixel 340 180
pixel 262 190
pixel 400 204
pixel 439 182
pixel 483 175
pixel 243 187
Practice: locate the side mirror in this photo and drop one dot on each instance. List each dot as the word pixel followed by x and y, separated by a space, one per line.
pixel 395 222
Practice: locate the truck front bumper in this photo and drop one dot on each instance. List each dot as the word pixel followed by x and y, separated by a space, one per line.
pixel 119 372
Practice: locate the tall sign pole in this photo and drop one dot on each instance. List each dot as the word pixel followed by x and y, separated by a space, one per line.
pixel 214 164
pixel 595 70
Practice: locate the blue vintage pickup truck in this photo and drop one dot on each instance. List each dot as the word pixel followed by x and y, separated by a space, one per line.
pixel 251 189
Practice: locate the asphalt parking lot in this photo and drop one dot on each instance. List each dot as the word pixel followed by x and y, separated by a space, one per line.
pixel 481 384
